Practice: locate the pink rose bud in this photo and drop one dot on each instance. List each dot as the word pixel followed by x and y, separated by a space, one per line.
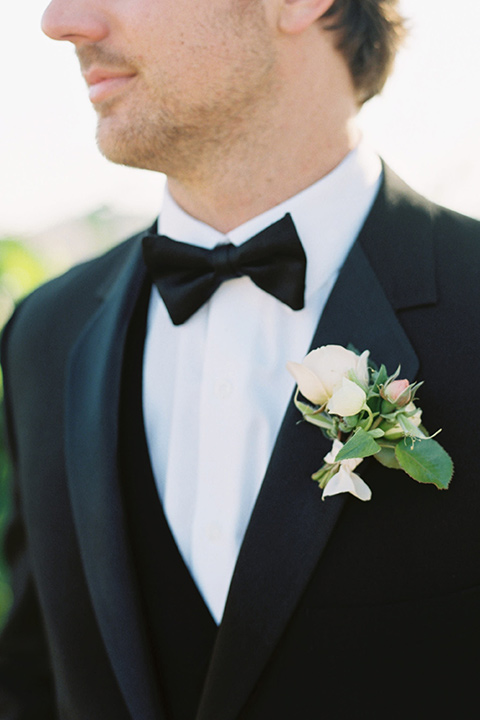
pixel 396 393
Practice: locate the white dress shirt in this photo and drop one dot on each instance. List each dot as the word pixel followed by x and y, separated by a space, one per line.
pixel 215 389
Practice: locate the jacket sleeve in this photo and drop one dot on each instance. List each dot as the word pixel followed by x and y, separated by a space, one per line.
pixel 26 685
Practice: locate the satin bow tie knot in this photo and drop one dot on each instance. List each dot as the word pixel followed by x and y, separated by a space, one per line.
pixel 224 261
pixel 187 276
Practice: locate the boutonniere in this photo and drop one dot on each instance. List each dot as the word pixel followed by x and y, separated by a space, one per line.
pixel 366 412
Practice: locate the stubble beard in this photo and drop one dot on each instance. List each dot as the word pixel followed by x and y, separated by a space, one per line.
pixel 165 132
pixel 180 142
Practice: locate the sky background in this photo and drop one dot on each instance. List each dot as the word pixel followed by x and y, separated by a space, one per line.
pixel 426 124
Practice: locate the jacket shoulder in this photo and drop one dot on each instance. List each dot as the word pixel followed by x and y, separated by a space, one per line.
pixel 59 308
pixel 93 276
pixel 447 224
pixel 459 237
pixel 420 250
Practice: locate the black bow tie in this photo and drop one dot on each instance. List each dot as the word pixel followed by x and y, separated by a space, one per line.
pixel 187 276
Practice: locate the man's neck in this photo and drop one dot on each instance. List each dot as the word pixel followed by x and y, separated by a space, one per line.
pixel 231 197
pixel 299 130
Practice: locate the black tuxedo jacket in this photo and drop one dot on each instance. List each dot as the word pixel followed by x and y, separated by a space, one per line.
pixel 337 609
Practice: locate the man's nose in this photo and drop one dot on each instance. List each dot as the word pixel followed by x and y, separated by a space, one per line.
pixel 79 21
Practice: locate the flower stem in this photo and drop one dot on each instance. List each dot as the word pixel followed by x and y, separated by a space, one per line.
pixel 371 418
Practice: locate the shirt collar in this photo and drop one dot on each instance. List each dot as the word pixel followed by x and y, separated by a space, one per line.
pixel 328 216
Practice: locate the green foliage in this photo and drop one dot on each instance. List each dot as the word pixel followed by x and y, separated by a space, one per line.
pixel 360 445
pixel 20 272
pixel 382 421
pixel 425 461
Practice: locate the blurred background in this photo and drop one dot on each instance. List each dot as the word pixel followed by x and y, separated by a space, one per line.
pixel 61 202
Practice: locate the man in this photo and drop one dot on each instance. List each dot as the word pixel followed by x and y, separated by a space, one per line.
pixel 172 557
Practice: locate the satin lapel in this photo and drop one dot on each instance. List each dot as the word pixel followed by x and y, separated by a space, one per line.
pixel 92 427
pixel 291 525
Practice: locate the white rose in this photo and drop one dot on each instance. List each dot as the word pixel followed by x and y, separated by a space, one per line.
pixel 322 372
pixel 348 400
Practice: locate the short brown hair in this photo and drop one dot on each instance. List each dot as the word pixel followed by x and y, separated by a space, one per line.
pixel 369 35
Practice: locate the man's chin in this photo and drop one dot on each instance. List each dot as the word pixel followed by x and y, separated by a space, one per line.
pixel 124 147
pixel 112 143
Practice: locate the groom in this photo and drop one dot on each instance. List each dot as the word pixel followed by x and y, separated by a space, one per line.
pixel 171 556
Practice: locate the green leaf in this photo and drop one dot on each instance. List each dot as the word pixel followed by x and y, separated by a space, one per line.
pixel 395 375
pixel 380 377
pixel 349 423
pixel 360 445
pixel 408 427
pixel 304 408
pixel 311 415
pixel 425 461
pixel 320 421
pixel 386 457
pixel 374 401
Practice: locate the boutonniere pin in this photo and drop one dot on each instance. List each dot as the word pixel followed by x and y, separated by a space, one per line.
pixel 366 412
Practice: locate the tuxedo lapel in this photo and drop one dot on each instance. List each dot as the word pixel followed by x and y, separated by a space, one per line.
pixel 93 393
pixel 291 525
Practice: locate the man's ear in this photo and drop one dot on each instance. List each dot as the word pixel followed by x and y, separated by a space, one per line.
pixel 295 16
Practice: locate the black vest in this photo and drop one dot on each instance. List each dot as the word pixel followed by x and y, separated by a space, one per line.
pixel 179 625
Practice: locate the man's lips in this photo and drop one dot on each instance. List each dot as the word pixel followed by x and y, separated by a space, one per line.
pixel 103 84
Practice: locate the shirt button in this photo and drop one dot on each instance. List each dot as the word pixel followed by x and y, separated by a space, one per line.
pixel 223 389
